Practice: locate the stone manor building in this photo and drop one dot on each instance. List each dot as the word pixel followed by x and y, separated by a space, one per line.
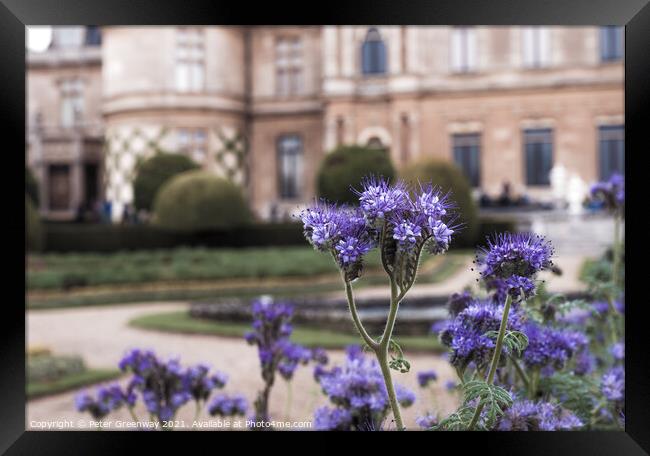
pixel 262 105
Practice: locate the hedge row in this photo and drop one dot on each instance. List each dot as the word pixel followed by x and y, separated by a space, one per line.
pixel 73 237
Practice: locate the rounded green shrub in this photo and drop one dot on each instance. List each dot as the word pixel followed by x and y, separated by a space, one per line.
pixel 199 200
pixel 31 186
pixel 33 226
pixel 450 179
pixel 152 173
pixel 346 166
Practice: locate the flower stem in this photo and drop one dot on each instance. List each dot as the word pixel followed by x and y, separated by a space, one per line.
pixel 382 355
pixel 355 317
pixel 616 265
pixel 381 348
pixel 495 358
pixel 521 373
pixel 133 415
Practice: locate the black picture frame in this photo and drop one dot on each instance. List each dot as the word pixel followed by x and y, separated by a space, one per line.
pixel 633 14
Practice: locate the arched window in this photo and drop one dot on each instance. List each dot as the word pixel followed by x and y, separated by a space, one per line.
pixel 373 53
pixel 375 143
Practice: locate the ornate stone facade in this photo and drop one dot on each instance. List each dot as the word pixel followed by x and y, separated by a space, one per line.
pixel 262 105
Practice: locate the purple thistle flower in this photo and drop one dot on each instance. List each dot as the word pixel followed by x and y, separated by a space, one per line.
pixel 108 398
pixel 612 384
pixel 550 347
pixel 426 377
pixel 521 254
pixel 332 419
pixel 358 388
pixel 378 199
pixel 611 193
pixel 617 351
pixel 406 233
pixel 450 385
pixel 526 415
pixel 466 333
pixel 225 405
pixel 351 249
pixel 585 362
pixel 427 421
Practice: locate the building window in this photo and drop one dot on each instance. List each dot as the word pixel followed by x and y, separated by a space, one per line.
pixel 463 49
pixel 190 60
pixel 467 156
pixel 193 143
pixel 373 53
pixel 68 37
pixel 612 150
pixel 538 150
pixel 611 43
pixel 535 47
pixel 290 156
pixel 288 66
pixel 93 36
pixel 72 103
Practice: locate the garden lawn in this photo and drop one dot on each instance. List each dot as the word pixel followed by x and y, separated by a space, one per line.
pixel 70 382
pixel 184 323
pixel 66 271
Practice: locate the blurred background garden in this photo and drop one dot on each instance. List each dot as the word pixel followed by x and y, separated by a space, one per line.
pixel 166 166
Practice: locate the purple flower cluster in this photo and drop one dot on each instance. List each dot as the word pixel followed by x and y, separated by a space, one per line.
pixel 225 405
pixel 108 399
pixel 358 393
pixel 271 331
pixel 511 261
pixel 525 415
pixel 611 193
pixel 617 351
pixel 426 377
pixel 612 384
pixel 458 302
pixel 350 233
pixel 427 421
pixel 466 333
pixel 166 386
pixel 550 347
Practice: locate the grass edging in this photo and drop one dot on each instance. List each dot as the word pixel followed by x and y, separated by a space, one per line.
pixel 71 382
pixel 182 323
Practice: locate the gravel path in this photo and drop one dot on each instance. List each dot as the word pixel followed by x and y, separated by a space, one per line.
pixel 101 335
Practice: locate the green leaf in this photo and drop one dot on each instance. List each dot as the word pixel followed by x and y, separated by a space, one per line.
pixel 493 398
pixel 514 341
pixel 457 421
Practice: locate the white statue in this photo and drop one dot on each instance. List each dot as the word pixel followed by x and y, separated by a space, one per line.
pixel 558 177
pixel 576 193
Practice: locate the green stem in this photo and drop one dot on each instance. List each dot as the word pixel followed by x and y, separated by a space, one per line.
pixel 133 415
pixel 355 317
pixel 495 358
pixel 197 411
pixel 616 264
pixel 521 373
pixel 381 348
pixel 382 354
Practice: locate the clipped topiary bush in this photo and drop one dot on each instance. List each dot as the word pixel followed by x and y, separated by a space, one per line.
pixel 33 227
pixel 152 173
pixel 346 166
pixel 199 200
pixel 31 186
pixel 449 178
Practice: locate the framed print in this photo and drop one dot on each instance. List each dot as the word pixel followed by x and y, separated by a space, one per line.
pixel 362 217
